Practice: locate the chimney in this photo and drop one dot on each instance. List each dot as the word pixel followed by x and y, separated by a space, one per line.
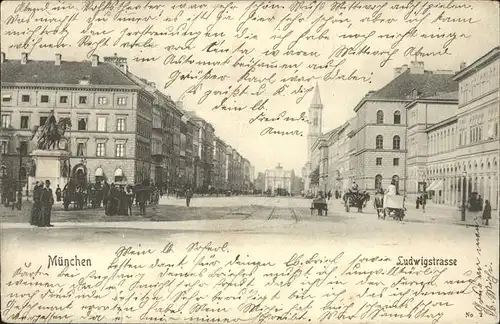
pixel 24 58
pixel 179 104
pixel 397 72
pixel 124 68
pixel 417 67
pixel 463 65
pixel 95 60
pixel 58 59
pixel 2 58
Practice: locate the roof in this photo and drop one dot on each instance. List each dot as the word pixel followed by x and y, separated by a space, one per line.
pixel 316 100
pixel 427 84
pixel 445 96
pixel 479 63
pixel 69 72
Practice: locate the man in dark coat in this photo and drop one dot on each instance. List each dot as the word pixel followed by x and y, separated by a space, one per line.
pixel 188 195
pixel 142 194
pixel 36 209
pixel 47 200
pixel 486 212
pixel 58 193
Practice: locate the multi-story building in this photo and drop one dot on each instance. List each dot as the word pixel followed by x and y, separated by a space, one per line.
pixel 431 138
pixel 219 162
pixel 229 168
pixel 111 116
pixel 196 153
pixel 260 184
pixel 247 178
pixel 278 181
pixel 205 149
pixel 478 128
pixel 380 130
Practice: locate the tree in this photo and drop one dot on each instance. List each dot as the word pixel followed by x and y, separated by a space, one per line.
pixel 315 176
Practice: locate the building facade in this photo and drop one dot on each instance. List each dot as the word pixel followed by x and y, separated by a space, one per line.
pixel 111 116
pixel 477 155
pixel 278 181
pixel 123 129
pixel 379 135
pixel 431 138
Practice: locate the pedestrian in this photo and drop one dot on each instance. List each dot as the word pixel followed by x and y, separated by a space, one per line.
pixel 123 202
pixel 188 195
pixel 47 201
pixel 486 212
pixel 418 202
pixel 12 197
pixel 142 194
pixel 58 193
pixel 36 209
pixel 130 199
pixel 480 202
pixel 423 201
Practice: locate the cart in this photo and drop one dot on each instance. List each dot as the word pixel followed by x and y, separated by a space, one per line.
pixel 320 205
pixel 394 207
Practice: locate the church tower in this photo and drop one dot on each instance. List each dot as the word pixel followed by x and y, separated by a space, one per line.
pixel 315 125
pixel 316 121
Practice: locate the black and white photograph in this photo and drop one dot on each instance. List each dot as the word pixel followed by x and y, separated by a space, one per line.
pixel 250 161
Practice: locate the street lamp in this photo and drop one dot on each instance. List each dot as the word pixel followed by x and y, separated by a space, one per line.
pixel 464 173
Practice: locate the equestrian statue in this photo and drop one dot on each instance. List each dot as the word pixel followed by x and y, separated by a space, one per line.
pixel 51 132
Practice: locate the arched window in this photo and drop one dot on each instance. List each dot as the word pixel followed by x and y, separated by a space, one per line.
pixel 379 142
pixel 118 175
pixel 315 120
pixel 380 117
pixel 397 117
pixel 378 181
pixel 396 143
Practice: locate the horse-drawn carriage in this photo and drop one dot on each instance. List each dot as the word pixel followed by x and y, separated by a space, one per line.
pixel 389 205
pixel 355 198
pixel 320 205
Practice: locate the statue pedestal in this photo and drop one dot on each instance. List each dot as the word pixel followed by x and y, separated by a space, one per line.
pixel 48 167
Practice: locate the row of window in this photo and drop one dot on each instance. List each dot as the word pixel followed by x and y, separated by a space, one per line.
pixel 379 142
pixel 395 161
pixel 81 149
pixel 442 141
pixel 481 83
pixel 82 123
pixel 23 147
pixel 396 117
pixel 120 101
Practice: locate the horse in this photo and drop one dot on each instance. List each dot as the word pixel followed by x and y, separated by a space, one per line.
pixel 378 204
pixel 49 137
pixel 354 198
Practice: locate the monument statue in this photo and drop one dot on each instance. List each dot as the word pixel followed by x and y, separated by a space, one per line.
pixel 51 132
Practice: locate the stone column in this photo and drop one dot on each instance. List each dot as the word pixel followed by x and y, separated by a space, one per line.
pixel 445 190
pixel 454 190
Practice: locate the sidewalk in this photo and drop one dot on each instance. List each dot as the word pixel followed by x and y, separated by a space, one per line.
pixel 444 214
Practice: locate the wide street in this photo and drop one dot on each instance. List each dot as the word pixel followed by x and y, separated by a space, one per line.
pixel 242 215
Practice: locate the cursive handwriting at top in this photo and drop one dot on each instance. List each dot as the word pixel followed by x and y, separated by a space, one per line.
pixel 254 51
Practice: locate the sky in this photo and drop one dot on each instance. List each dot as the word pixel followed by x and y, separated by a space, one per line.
pixel 338 97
